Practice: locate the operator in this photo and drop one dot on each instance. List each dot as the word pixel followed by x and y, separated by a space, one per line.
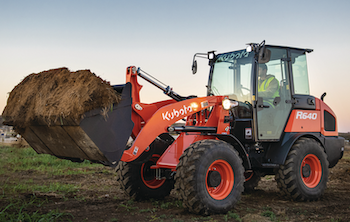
pixel 268 86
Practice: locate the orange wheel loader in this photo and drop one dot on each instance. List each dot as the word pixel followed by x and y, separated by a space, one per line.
pixel 257 119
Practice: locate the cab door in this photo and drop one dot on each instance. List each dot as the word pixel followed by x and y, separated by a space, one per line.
pixel 273 100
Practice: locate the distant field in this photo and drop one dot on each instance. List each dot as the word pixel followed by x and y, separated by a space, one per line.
pixel 345 135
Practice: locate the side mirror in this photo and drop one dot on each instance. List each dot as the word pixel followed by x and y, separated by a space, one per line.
pixel 210 55
pixel 194 67
pixel 264 55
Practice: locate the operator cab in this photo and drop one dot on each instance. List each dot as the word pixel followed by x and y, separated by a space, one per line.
pixel 265 97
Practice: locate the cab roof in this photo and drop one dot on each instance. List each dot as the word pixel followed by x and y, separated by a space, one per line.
pixel 288 47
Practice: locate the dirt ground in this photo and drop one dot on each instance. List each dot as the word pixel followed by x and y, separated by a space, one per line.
pixel 100 199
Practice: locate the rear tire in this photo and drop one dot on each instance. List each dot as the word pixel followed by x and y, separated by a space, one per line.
pixel 209 177
pixel 138 180
pixel 304 175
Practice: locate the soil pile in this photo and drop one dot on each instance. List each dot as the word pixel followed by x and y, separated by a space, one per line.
pixel 57 93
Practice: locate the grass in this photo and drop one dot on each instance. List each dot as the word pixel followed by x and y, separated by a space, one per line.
pixel 56 187
pixel 14 187
pixel 148 210
pixel 26 159
pixel 166 204
pixel 128 206
pixel 17 210
pixel 270 214
pixel 346 157
pixel 232 215
pixel 27 162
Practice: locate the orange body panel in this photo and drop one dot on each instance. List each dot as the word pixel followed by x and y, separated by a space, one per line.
pixel 310 120
pixel 304 121
pixel 171 156
pixel 142 112
pixel 168 115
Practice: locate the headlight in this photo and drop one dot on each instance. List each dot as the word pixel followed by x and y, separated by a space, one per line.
pixel 229 104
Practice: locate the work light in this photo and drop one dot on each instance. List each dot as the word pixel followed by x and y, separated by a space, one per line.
pixel 229 104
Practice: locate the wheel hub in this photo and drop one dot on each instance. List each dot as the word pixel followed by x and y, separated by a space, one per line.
pixel 148 173
pixel 306 170
pixel 214 179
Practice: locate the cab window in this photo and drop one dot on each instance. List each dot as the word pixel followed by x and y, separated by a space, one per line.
pixel 300 75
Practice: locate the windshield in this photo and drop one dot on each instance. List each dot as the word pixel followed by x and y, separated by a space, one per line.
pixel 232 75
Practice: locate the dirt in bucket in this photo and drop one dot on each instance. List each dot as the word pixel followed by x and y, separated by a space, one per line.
pixel 57 93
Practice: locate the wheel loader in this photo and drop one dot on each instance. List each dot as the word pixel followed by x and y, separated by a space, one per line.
pixel 210 148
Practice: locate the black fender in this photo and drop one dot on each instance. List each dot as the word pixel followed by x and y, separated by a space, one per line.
pixel 334 147
pixel 238 146
pixel 158 146
pixel 277 152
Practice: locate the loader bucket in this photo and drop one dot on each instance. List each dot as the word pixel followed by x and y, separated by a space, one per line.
pixel 100 136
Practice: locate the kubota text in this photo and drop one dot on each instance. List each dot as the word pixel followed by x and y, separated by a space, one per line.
pixel 176 113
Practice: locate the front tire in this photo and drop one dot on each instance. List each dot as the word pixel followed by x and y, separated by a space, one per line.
pixel 138 180
pixel 304 175
pixel 209 177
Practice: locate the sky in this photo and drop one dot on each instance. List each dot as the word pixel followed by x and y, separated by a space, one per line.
pixel 161 37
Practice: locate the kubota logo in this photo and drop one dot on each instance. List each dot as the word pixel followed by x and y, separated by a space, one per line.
pixel 302 115
pixel 176 113
pixel 232 56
